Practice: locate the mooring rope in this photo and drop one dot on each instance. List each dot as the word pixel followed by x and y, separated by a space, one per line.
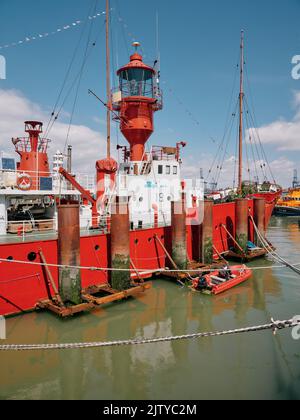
pixel 273 325
pixel 148 270
pixel 272 252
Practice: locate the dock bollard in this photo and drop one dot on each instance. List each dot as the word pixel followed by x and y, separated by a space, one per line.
pixel 179 240
pixel 259 218
pixel 241 221
pixel 120 244
pixel 69 252
pixel 206 234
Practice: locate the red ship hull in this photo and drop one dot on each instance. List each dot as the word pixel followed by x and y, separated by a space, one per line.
pixel 23 285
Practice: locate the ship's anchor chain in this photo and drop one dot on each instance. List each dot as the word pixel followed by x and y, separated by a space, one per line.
pixel 273 325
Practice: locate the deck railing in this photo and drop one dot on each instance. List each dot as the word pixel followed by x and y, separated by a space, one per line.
pixel 22 230
pixel 42 181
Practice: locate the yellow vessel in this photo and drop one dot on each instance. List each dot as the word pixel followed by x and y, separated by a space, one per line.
pixel 289 204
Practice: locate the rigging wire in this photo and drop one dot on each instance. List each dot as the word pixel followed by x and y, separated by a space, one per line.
pixel 247 158
pixel 227 120
pixel 236 157
pixel 259 149
pixel 254 149
pixel 225 151
pixel 120 20
pixel 260 161
pixel 220 159
pixel 92 46
pixel 266 161
pixel 255 125
pixel 68 71
pixel 80 78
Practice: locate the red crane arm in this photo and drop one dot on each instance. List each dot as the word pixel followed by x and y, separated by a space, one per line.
pixel 85 194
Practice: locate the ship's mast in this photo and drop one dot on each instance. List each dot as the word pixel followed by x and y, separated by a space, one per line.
pixel 241 108
pixel 108 93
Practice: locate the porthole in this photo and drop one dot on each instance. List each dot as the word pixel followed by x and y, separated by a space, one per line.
pixel 97 247
pixel 31 256
pixel 136 241
pixel 10 258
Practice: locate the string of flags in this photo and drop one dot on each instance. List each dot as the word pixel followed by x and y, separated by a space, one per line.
pixel 129 34
pixel 47 34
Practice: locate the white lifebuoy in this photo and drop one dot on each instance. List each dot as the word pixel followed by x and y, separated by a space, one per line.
pixel 24 182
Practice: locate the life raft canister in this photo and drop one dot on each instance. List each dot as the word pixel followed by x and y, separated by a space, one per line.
pixel 24 182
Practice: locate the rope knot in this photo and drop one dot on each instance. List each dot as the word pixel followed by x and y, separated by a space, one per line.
pixel 277 325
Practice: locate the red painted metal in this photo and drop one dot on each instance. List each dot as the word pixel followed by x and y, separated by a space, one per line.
pixel 259 215
pixel 136 110
pixel 242 225
pixel 84 193
pixel 106 170
pixel 241 273
pixel 22 286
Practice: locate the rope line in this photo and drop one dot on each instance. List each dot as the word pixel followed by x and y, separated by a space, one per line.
pixel 273 325
pixel 36 37
pixel 149 270
pixel 271 251
pixel 54 119
pixel 79 80
pixel 76 50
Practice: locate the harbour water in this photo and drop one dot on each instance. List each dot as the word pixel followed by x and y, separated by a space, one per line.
pixel 251 366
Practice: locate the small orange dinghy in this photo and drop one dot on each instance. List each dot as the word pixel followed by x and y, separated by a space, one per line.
pixel 222 280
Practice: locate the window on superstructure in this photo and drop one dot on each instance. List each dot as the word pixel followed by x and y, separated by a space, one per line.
pixel 168 170
pixel 160 169
pixel 175 170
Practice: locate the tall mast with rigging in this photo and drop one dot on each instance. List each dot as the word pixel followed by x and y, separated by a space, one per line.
pixel 241 112
pixel 108 92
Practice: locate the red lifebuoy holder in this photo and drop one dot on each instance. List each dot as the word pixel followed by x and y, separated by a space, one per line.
pixel 24 182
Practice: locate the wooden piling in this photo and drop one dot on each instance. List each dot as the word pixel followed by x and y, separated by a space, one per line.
pixel 69 253
pixel 259 218
pixel 206 233
pixel 120 244
pixel 179 239
pixel 241 220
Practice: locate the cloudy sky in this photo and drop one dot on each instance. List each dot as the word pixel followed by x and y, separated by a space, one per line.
pixel 44 43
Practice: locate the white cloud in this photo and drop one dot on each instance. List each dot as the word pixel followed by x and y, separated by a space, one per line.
pixel 283 134
pixel 281 167
pixel 88 145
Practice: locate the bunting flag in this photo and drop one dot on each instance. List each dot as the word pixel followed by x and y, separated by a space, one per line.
pixel 28 39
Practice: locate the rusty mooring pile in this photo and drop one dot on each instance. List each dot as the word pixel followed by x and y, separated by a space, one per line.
pixel 69 298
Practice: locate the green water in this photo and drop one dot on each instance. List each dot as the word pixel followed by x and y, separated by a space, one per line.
pixel 256 365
